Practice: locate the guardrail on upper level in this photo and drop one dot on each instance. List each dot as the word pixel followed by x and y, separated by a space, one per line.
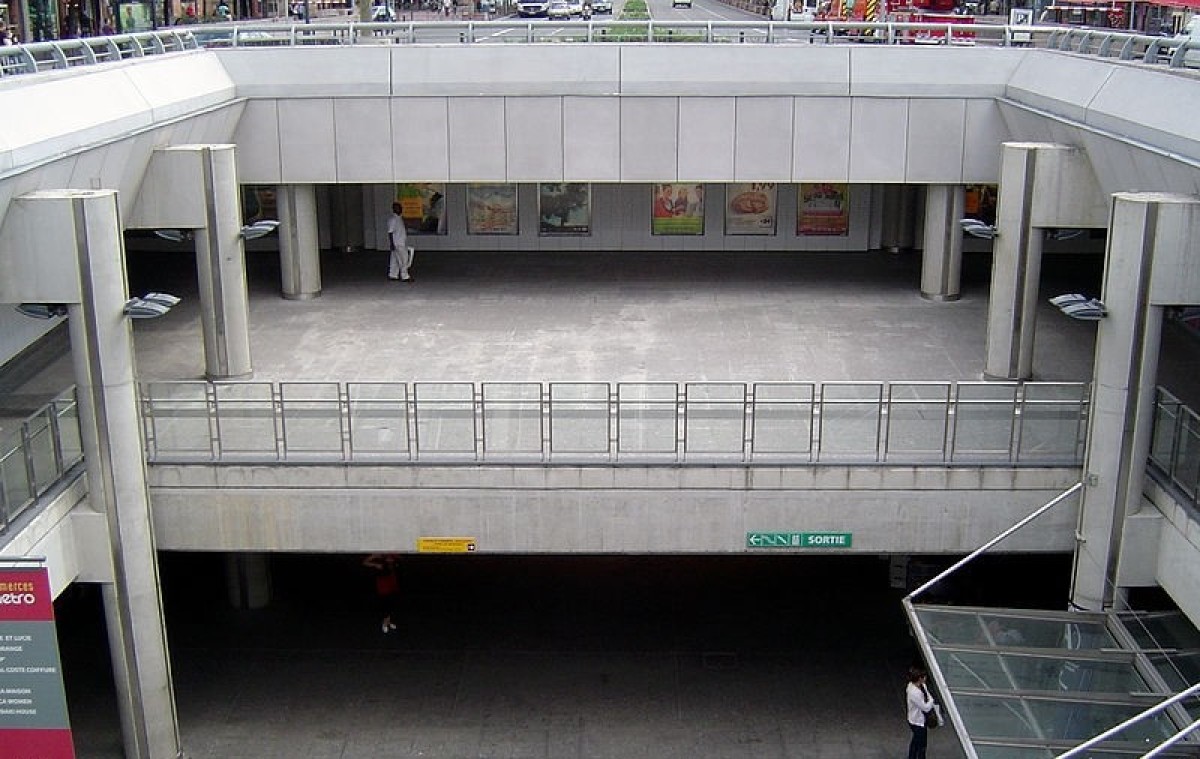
pixel 1175 446
pixel 695 423
pixel 65 54
pixel 36 456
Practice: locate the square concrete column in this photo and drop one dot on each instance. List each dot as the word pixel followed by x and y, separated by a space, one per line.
pixel 299 252
pixel 67 247
pixel 1149 263
pixel 941 261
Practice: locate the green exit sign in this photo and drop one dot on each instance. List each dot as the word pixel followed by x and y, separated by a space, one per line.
pixel 799 539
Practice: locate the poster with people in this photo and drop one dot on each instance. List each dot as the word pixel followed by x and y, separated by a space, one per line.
pixel 979 202
pixel 678 209
pixel 423 206
pixel 258 203
pixel 823 208
pixel 750 208
pixel 492 209
pixel 564 209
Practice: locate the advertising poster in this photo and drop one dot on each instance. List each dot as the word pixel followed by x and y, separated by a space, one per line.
pixel 564 209
pixel 678 209
pixel 979 202
pixel 423 206
pixel 135 16
pixel 491 209
pixel 823 208
pixel 750 208
pixel 258 203
pixel 33 704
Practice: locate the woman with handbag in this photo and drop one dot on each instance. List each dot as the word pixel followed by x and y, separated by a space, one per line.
pixel 921 710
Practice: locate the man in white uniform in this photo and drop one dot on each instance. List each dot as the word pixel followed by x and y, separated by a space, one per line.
pixel 401 255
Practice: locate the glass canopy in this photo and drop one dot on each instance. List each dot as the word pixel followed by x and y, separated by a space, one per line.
pixel 1022 684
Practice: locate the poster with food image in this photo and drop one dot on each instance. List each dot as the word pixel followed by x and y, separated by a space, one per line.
pixel 491 209
pixel 564 209
pixel 423 206
pixel 678 209
pixel 823 208
pixel 750 208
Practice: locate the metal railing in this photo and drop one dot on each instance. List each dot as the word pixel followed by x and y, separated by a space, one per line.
pixel 36 456
pixel 1175 445
pixel 700 423
pixel 65 54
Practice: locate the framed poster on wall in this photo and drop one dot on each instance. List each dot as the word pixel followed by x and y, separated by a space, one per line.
pixel 492 209
pixel 823 208
pixel 750 208
pixel 564 209
pixel 258 203
pixel 423 206
pixel 678 209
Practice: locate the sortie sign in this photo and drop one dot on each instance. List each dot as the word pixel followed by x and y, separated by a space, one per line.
pixel 33 704
pixel 799 539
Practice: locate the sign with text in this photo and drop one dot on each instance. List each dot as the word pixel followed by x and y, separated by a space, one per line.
pixel 445 545
pixel 33 704
pixel 799 539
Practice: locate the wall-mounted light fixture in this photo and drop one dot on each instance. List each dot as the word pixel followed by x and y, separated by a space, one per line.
pixel 1064 234
pixel 1080 307
pixel 977 228
pixel 259 229
pixel 174 235
pixel 41 310
pixel 150 305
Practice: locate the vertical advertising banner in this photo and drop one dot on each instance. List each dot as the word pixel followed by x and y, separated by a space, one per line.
pixel 823 208
pixel 564 209
pixel 258 203
pixel 423 207
pixel 750 208
pixel 678 209
pixel 33 704
pixel 491 209
pixel 979 202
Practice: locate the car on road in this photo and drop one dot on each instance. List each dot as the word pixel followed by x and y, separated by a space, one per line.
pixel 681 3
pixel 576 7
pixel 533 7
pixel 559 9
pixel 601 6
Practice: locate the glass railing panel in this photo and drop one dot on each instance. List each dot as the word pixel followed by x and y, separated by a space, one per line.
pixel 311 419
pixel 647 418
pixel 70 442
pixel 977 670
pixel 39 435
pixel 445 415
pixel 178 419
pixel 512 418
pixel 14 479
pixel 1051 719
pixel 246 422
pixel 851 418
pixel 984 419
pixel 714 418
pixel 1185 467
pixel 579 418
pixel 783 420
pixel 1012 752
pixel 378 420
pixel 918 421
pixel 1167 411
pixel 1080 632
pixel 1052 422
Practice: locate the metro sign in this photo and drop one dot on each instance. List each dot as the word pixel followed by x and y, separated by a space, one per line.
pixel 799 539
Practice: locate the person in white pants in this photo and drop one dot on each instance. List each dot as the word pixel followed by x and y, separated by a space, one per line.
pixel 401 255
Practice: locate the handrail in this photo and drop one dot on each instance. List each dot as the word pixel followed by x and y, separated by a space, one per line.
pixel 36 455
pixel 696 423
pixel 52 55
pixel 1097 740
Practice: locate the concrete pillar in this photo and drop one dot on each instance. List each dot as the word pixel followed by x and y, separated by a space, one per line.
pixel 1016 268
pixel 248 580
pixel 102 351
pixel 941 262
pixel 299 253
pixel 221 269
pixel 898 217
pixel 1123 383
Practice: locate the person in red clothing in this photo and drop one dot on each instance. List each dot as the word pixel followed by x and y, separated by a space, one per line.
pixel 387 587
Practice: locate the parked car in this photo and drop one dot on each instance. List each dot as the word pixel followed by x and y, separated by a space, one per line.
pixel 558 9
pixel 601 6
pixel 576 7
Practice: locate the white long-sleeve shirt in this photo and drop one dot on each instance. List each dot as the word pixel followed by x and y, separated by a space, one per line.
pixel 919 702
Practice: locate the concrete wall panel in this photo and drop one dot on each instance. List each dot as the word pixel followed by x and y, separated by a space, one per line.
pixel 651 155
pixel 706 138
pixel 257 137
pixel 763 139
pixel 592 138
pixel 363 128
pixel 936 138
pixel 477 140
pixel 307 140
pixel 820 140
pixel 533 132
pixel 421 139
pixel 984 132
pixel 878 136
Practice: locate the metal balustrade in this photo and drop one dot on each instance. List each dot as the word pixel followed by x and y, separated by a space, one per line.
pixel 1106 43
pixel 1175 445
pixel 695 423
pixel 35 457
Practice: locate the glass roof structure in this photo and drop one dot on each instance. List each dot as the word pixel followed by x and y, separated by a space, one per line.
pixel 1025 684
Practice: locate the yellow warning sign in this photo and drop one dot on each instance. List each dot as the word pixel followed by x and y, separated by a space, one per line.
pixel 445 545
